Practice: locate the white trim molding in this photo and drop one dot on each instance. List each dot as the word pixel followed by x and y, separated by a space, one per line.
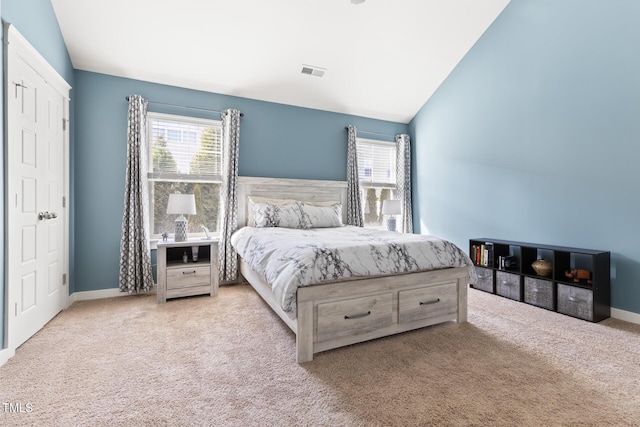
pixel 104 293
pixel 6 354
pixel 627 316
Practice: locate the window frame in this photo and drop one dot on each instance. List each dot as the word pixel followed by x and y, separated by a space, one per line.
pixel 378 186
pixel 176 177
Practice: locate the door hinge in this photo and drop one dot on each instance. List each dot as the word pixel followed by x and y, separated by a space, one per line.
pixel 64 201
pixel 16 309
pixel 64 124
pixel 64 279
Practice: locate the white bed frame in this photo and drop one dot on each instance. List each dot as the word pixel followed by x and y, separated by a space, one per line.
pixel 339 314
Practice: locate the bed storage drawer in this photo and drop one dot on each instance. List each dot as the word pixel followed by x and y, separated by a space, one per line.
pixel 576 302
pixel 428 302
pixel 508 285
pixel 485 279
pixel 538 292
pixel 354 316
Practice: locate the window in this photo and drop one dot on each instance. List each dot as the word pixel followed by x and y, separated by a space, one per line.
pixel 377 176
pixel 185 156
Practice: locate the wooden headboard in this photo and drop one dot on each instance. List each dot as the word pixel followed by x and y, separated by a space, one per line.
pixel 305 190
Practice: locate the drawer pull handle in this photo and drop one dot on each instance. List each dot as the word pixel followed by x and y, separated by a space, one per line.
pixel 357 316
pixel 189 272
pixel 435 301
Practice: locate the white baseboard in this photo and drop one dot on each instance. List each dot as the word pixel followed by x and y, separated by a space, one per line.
pixel 627 316
pixel 102 293
pixel 6 354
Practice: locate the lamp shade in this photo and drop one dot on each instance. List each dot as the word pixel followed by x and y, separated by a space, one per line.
pixel 391 207
pixel 184 204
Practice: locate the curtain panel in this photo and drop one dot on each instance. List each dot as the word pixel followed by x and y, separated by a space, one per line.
pixel 354 202
pixel 228 258
pixel 135 253
pixel 403 182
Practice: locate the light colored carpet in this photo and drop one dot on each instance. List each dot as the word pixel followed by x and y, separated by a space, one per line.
pixel 230 361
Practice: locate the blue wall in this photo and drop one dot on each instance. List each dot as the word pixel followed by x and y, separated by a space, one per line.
pixel 535 135
pixel 275 141
pixel 36 21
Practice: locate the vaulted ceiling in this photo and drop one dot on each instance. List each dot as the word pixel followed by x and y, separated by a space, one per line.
pixel 382 59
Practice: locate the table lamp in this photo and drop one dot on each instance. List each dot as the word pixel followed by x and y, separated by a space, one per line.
pixel 181 204
pixel 391 208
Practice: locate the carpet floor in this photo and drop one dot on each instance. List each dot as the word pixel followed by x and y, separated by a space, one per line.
pixel 230 361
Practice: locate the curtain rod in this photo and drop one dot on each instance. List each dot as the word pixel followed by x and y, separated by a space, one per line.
pixel 372 133
pixel 182 106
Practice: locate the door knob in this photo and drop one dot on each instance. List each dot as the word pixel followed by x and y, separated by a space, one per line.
pixel 47 215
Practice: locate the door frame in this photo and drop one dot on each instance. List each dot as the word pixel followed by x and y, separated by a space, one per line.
pixel 14 42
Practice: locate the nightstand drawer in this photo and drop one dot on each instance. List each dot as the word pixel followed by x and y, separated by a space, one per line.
pixel 187 277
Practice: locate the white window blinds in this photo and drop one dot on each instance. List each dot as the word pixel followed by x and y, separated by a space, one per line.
pixel 184 148
pixel 376 163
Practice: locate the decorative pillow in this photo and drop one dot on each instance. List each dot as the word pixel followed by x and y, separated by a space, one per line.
pixel 321 216
pixel 253 200
pixel 287 216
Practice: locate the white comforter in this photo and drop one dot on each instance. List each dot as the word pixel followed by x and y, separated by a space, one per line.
pixel 290 258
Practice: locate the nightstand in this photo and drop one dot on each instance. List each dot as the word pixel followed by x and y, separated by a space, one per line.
pixel 177 278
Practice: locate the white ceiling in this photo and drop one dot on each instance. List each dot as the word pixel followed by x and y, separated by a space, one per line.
pixel 384 58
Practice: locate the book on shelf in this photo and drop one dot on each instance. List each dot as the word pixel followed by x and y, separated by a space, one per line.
pixel 482 254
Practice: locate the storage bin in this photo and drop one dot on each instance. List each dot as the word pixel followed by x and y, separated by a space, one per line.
pixel 508 285
pixel 485 279
pixel 575 301
pixel 539 292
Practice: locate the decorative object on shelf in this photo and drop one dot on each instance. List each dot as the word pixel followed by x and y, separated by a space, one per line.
pixel 185 258
pixel 579 275
pixel 542 267
pixel 194 253
pixel 391 208
pixel 181 204
pixel 165 236
pixel 508 262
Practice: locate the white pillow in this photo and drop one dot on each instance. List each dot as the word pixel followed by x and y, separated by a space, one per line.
pixel 253 200
pixel 321 216
pixel 287 216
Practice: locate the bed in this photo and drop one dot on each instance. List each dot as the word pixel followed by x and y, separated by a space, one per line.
pixel 355 303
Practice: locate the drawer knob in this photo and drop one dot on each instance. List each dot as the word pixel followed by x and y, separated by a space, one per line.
pixel 189 272
pixel 435 301
pixel 357 316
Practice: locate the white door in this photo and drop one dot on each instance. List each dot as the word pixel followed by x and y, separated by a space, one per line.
pixel 36 253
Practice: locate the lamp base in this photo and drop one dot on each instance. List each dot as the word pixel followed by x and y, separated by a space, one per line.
pixel 391 223
pixel 180 229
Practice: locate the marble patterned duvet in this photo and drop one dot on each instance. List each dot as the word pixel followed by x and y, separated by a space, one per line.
pixel 291 258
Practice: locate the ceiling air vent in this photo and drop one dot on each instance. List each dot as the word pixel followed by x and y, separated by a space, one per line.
pixel 313 71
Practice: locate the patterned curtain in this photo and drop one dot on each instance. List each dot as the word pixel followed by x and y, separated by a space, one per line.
pixel 135 256
pixel 228 258
pixel 354 203
pixel 403 182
